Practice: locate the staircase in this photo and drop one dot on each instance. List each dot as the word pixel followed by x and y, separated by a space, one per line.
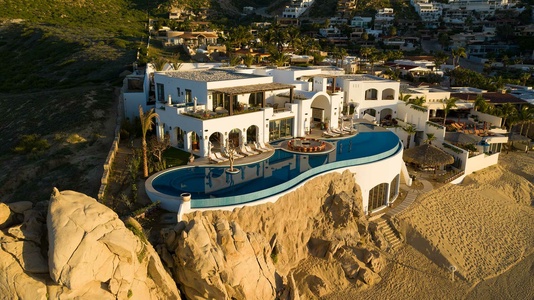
pixel 393 240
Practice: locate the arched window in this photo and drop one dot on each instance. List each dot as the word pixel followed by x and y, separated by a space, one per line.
pixel 394 189
pixel 371 94
pixel 378 196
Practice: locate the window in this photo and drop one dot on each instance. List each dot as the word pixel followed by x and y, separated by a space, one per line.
pixel 371 94
pixel 178 92
pixel 377 196
pixel 160 89
pixel 279 129
pixel 394 188
pixel 188 98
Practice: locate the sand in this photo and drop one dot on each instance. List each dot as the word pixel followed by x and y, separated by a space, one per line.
pixel 484 227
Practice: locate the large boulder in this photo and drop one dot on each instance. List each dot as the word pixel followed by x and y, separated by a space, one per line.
pixel 311 240
pixel 5 215
pixel 89 246
pixel 221 261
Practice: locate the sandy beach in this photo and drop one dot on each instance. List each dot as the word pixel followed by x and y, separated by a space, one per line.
pixel 483 227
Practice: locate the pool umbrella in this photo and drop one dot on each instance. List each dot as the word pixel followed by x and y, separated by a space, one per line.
pixel 427 155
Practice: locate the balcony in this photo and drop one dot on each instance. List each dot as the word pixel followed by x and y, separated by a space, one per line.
pixel 218 113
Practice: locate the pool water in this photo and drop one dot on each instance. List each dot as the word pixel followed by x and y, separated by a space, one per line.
pixel 211 186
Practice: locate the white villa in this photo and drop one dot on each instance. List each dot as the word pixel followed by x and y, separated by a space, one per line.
pixel 296 8
pixel 208 108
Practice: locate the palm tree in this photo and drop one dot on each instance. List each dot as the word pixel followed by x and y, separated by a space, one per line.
pixel 480 104
pixel 419 101
pixel 405 98
pixel 448 104
pixel 176 64
pixel 456 54
pixel 527 113
pixel 410 130
pixel 430 137
pixel 294 37
pixel 147 120
pixel 338 54
pixel 366 51
pixel 248 60
pixel 440 58
pixel 524 77
pixel 507 110
pixel 159 63
pixel 279 58
pixel 375 57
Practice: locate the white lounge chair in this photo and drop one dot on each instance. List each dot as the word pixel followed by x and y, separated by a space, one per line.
pixel 337 131
pixel 219 156
pixel 261 145
pixel 330 134
pixel 215 159
pixel 245 152
pixel 251 151
pixel 255 146
pixel 236 155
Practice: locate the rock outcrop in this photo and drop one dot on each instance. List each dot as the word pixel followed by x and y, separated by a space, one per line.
pixel 89 254
pixel 310 242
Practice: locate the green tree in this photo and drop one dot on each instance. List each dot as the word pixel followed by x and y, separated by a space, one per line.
pixel 448 104
pixel 147 120
pixel 278 58
pixel 430 137
pixel 507 110
pixel 480 104
pixel 248 60
pixel 524 77
pixel 440 58
pixel 457 54
pixel 405 98
pixel 410 130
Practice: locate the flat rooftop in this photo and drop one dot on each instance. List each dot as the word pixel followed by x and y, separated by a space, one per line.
pixel 210 75
pixel 363 77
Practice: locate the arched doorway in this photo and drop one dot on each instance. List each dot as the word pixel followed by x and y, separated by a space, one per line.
pixel 386 114
pixel 370 111
pixel 234 137
pixel 377 196
pixel 195 141
pixel 179 136
pixel 321 109
pixel 252 134
pixel 216 140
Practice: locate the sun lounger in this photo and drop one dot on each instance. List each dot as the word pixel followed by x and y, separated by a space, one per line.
pixel 236 155
pixel 215 159
pixel 337 131
pixel 330 134
pixel 219 156
pixel 348 129
pixel 261 146
pixel 244 151
pixel 254 147
pixel 251 151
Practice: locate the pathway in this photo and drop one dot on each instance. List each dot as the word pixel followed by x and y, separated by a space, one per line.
pixel 390 233
pixel 410 197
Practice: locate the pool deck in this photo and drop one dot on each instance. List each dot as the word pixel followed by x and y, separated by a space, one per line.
pixel 314 134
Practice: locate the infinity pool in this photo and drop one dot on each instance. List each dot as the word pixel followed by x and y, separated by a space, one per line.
pixel 211 186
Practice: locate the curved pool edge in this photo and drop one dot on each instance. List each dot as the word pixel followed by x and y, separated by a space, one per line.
pixel 381 161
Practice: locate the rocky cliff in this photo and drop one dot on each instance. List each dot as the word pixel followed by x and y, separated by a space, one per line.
pixel 75 247
pixel 309 243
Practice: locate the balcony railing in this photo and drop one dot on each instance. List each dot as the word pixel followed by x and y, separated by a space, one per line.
pixel 208 114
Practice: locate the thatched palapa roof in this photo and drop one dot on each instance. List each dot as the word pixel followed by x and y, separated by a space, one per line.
pixel 427 155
